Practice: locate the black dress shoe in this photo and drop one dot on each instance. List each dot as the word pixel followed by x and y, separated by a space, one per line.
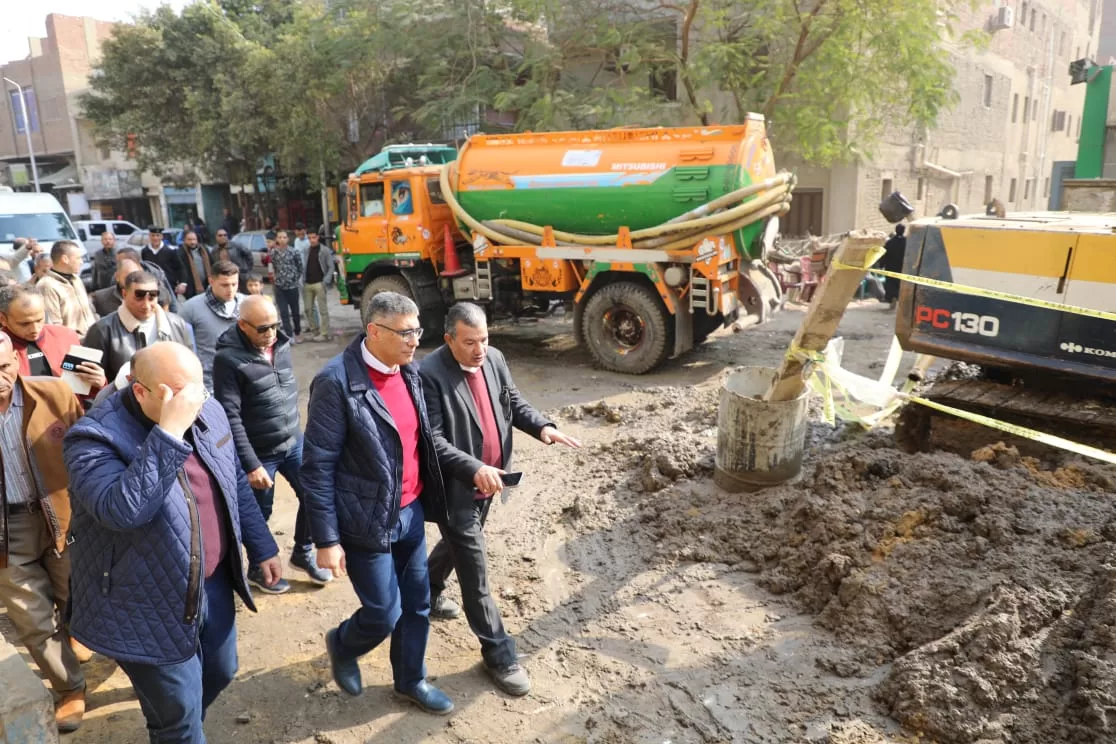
pixel 346 672
pixel 428 697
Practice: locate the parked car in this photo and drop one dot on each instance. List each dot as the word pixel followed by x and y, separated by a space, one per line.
pixel 254 240
pixel 89 231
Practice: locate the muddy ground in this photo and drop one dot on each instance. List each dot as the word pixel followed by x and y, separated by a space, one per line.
pixel 882 598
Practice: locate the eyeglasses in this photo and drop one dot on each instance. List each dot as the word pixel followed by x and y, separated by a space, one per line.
pixel 406 334
pixel 266 328
pixel 146 294
pixel 205 392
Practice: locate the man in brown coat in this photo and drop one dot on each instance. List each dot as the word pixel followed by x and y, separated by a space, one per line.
pixel 35 413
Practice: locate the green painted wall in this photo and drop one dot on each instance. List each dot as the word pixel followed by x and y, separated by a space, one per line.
pixel 1094 122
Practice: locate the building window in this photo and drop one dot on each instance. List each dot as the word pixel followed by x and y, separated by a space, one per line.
pixel 988 189
pixel 921 189
pixel 1046 188
pixel 1023 16
pixel 1014 107
pixel 885 188
pixel 1026 108
pixel 32 110
pixel 1079 128
pixel 1034 12
pixel 105 153
pixel 988 91
pixel 1069 126
pixel 1011 192
pixel 1058 123
pixel 1042 25
pixel 1027 189
pixel 1034 109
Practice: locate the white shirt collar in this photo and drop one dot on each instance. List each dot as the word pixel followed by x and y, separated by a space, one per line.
pixel 131 322
pixel 470 370
pixel 375 363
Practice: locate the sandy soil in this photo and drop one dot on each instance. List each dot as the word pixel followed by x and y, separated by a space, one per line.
pixel 882 598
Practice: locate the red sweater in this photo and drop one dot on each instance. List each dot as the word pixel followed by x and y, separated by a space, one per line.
pixel 397 398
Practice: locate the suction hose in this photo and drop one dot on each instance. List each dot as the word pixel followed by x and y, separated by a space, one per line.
pixel 677 233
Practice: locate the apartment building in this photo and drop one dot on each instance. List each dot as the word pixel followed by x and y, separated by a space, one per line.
pixel 87 179
pixel 1012 135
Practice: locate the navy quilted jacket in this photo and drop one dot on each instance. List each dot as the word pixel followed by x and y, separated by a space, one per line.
pixel 352 459
pixel 137 558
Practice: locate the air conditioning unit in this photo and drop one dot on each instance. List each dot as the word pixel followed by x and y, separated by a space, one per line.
pixel 1005 18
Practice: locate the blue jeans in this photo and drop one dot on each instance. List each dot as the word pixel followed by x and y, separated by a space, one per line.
pixel 174 697
pixel 394 593
pixel 288 465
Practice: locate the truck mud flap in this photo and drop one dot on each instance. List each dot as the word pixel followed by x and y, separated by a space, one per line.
pixel 759 291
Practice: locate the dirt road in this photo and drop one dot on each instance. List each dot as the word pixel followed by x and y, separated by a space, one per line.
pixel 968 598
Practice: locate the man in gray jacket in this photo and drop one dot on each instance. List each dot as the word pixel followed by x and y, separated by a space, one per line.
pixel 213 312
pixel 473 406
pixel 317 261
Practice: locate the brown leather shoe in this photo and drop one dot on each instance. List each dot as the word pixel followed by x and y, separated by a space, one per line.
pixel 69 711
pixel 81 652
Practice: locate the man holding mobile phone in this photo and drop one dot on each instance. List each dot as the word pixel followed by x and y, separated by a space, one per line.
pixel 473 405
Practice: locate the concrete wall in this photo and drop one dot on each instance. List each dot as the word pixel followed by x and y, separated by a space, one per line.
pixel 1091 195
pixel 26 706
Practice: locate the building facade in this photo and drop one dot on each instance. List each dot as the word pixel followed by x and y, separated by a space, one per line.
pixel 1012 135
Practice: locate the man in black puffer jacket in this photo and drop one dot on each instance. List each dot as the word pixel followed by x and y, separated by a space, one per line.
pixel 254 380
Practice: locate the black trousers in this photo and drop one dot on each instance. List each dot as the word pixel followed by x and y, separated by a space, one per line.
pixel 462 547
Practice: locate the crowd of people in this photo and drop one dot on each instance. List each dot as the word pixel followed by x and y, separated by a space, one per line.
pixel 141 449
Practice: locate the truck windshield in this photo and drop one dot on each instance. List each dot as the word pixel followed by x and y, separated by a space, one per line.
pixel 41 227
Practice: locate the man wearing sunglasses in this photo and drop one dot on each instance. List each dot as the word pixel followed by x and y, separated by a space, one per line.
pixel 139 323
pixel 371 476
pixel 254 379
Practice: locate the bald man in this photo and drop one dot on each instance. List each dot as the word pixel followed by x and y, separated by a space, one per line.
pixel 254 379
pixel 159 516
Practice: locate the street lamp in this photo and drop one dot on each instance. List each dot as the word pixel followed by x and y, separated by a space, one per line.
pixel 26 130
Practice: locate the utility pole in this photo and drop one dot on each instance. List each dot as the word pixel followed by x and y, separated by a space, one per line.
pixel 26 131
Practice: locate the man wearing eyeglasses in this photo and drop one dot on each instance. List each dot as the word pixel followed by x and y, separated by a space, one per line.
pixel 254 379
pixel 161 510
pixel 139 323
pixel 371 476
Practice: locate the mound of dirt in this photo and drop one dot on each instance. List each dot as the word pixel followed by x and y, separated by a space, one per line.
pixel 988 582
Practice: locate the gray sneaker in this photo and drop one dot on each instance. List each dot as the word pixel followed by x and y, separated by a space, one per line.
pixel 512 679
pixel 256 579
pixel 306 563
pixel 444 608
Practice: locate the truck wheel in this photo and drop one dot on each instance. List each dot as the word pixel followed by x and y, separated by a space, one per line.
pixel 627 328
pixel 431 319
pixel 386 283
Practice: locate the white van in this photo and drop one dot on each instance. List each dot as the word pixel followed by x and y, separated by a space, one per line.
pixel 38 216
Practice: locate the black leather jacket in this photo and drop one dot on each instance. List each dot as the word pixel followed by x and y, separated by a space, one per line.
pixel 119 345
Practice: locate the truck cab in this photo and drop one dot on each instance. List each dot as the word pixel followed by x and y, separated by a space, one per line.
pixel 394 221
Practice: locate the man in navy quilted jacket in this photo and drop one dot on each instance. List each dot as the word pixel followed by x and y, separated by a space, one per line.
pixel 161 506
pixel 371 477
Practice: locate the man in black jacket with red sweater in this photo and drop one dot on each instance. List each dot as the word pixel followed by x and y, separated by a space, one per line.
pixel 473 406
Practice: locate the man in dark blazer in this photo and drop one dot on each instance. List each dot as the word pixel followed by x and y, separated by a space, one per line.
pixel 473 406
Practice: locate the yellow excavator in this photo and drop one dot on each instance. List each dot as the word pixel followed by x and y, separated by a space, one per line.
pixel 1041 367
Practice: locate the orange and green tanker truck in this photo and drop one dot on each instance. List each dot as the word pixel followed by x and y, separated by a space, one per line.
pixel 655 237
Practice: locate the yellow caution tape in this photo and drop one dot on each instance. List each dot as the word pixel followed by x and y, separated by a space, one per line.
pixel 1019 431
pixel 823 384
pixel 979 292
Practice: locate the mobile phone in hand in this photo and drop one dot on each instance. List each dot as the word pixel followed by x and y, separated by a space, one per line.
pixel 511 479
